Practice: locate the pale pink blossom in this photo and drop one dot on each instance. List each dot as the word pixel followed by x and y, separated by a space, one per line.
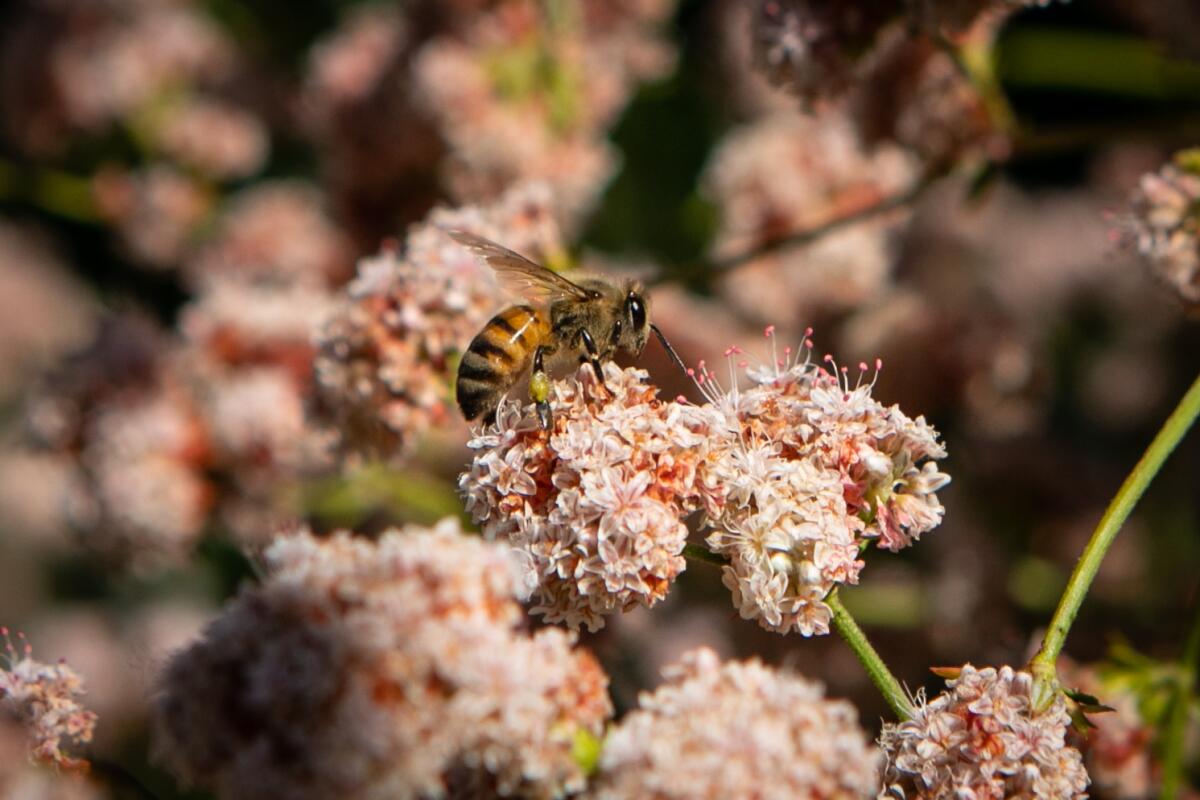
pixel 44 700
pixel 595 504
pixel 981 740
pixel 386 668
pixel 736 730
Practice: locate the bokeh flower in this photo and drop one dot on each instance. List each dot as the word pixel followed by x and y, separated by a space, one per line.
pixel 526 93
pixel 981 739
pixel 595 504
pixel 738 729
pixel 811 48
pixel 788 172
pixel 380 668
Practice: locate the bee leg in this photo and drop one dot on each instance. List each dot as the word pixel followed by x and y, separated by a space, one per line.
pixel 593 358
pixel 539 388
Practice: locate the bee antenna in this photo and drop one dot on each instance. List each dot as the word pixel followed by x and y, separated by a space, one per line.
pixel 670 350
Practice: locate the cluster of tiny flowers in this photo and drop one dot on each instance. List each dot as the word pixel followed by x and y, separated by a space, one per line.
pixel 817 469
pixel 596 503
pixel 44 700
pixel 981 740
pixel 788 171
pixel 739 729
pixel 386 356
pixel 387 668
pixel 526 93
pixel 1164 224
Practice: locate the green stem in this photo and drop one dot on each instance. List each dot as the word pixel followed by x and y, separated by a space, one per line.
pixel 1042 666
pixel 807 235
pixel 880 675
pixel 848 629
pixel 700 553
pixel 1172 764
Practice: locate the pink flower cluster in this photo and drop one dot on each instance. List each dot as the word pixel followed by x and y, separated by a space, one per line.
pixel 595 505
pixel 1164 225
pixel 981 740
pixel 527 91
pixel 44 700
pixel 795 475
pixel 738 729
pixel 380 668
pixel 817 470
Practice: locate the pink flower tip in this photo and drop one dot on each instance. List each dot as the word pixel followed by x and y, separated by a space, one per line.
pixel 769 331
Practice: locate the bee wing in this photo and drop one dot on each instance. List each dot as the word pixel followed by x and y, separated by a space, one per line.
pixel 516 272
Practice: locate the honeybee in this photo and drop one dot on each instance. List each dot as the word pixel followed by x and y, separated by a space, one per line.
pixel 589 320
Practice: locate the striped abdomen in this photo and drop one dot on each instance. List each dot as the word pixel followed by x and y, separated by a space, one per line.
pixel 497 357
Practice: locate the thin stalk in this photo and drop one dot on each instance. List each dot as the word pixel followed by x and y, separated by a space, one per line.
pixel 700 553
pixel 808 235
pixel 1172 764
pixel 880 675
pixel 848 629
pixel 1042 666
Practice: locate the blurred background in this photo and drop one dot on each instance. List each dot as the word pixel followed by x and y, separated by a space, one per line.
pixel 186 187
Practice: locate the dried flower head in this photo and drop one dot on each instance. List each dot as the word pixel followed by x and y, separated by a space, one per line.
pixel 811 48
pixel 818 469
pixel 980 739
pixel 596 503
pixel 386 357
pixel 1164 224
pixel 390 668
pixel 915 95
pixel 43 699
pixel 739 729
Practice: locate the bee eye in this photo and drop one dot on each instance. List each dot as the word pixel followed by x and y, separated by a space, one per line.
pixel 637 312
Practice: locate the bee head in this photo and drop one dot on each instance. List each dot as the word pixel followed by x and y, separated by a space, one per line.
pixel 635 322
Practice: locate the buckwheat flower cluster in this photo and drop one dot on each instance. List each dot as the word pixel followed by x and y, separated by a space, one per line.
pixel 1164 224
pixel 526 93
pixel 818 469
pixel 787 172
pixel 981 739
pixel 44 700
pixel 595 504
pixel 386 356
pixel 738 729
pixel 387 668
